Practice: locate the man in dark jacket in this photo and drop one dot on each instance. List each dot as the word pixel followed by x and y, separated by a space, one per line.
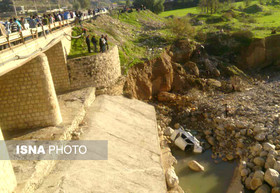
pixel 94 42
pixel 88 43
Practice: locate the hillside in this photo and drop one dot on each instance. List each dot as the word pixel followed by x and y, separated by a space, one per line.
pixel 139 36
pixel 259 19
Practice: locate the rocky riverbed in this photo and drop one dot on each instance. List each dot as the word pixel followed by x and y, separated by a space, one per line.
pixel 235 114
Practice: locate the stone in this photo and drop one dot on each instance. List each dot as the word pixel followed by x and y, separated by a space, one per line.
pixel 263 154
pixel 255 183
pixel 260 137
pixel 214 83
pixel 192 68
pixel 177 125
pixel 244 172
pixel 195 166
pixel 172 179
pixel 257 147
pixel 211 140
pixel 259 174
pixel 263 189
pixel 270 161
pixel 268 147
pixel 166 97
pixel 229 157
pixel 259 161
pixel 168 131
pixel 147 79
pixel 275 190
pixel 277 166
pixel 258 129
pixel 271 176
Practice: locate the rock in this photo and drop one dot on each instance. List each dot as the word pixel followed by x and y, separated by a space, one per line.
pixel 147 79
pixel 258 129
pixel 182 50
pixel 177 125
pixel 271 176
pixel 166 97
pixel 229 157
pixel 192 68
pixel 263 189
pixel 259 161
pixel 248 182
pixel 267 146
pixel 211 67
pixel 275 190
pixel 257 147
pixel 171 178
pixel 195 166
pixel 168 131
pixel 257 180
pixel 214 83
pixel 263 153
pixel 259 174
pixel 270 161
pixel 244 172
pixel 260 137
pixel 255 183
pixel 211 140
pixel 277 166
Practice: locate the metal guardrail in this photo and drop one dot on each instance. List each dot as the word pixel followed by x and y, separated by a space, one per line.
pixel 18 38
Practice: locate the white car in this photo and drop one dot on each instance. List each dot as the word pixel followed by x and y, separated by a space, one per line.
pixel 185 140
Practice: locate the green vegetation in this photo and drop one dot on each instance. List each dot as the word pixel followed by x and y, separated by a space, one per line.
pixel 153 5
pixel 259 19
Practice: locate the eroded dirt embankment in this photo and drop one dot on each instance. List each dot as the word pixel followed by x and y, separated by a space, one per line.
pixel 234 114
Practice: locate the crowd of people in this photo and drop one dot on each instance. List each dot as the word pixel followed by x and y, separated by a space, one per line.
pixel 17 25
pixel 103 43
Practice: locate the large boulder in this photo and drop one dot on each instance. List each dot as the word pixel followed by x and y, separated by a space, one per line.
pixel 150 78
pixel 162 74
pixel 182 51
pixel 271 176
pixel 275 190
pixel 195 166
pixel 263 189
pixel 257 180
pixel 191 68
pixel 172 179
pixel 259 161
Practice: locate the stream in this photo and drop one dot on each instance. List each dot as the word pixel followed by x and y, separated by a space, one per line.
pixel 215 179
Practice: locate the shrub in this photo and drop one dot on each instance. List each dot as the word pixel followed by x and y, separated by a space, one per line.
pixel 245 37
pixel 181 27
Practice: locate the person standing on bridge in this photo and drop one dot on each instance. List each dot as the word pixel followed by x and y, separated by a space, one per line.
pixel 32 22
pixel 106 39
pixel 94 42
pixel 88 43
pixel 102 44
pixel 3 31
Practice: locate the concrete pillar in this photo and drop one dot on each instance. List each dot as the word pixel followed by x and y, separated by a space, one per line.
pixel 7 177
pixel 28 98
pixel 57 62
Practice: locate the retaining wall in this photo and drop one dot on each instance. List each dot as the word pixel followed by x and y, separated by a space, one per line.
pixel 100 70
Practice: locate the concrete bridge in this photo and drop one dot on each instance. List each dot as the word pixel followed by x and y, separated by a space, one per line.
pixel 31 73
pixel 33 70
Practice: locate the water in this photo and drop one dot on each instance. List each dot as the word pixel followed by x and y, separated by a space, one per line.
pixel 215 179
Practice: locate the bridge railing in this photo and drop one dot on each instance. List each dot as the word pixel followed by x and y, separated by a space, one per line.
pixel 18 38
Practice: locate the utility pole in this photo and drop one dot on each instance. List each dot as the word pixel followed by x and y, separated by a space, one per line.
pixel 15 9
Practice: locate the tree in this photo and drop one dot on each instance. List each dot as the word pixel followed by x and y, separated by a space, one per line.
pixel 127 3
pixel 154 5
pixel 76 5
pixel 84 3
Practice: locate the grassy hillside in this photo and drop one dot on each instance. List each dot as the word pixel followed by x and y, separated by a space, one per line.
pixel 260 19
pixel 139 35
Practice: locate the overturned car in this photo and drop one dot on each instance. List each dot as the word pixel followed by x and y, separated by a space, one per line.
pixel 186 141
